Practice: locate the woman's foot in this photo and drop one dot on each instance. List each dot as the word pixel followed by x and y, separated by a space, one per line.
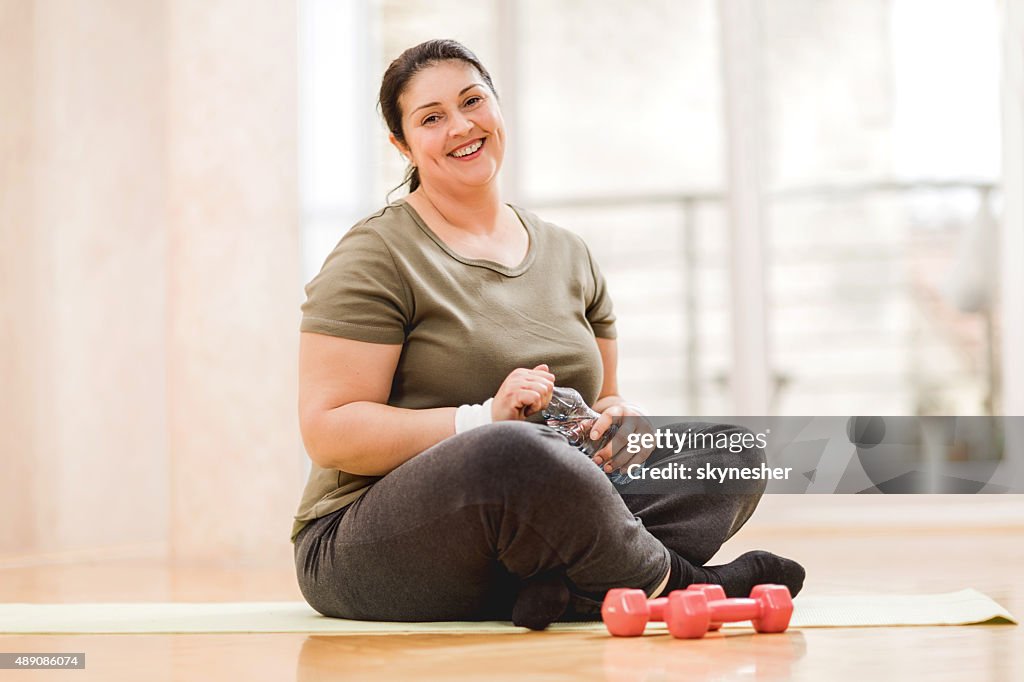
pixel 739 576
pixel 541 601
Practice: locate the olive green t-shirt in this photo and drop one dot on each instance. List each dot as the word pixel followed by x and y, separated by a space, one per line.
pixel 463 323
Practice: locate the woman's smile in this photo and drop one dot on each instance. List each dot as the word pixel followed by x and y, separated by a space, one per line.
pixel 468 151
pixel 452 133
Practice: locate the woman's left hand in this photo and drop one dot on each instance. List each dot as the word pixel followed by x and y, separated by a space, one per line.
pixel 621 458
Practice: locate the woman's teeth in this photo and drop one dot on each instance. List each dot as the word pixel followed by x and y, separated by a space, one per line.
pixel 465 151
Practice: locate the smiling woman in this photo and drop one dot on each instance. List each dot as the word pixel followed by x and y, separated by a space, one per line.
pixel 454 138
pixel 460 69
pixel 435 329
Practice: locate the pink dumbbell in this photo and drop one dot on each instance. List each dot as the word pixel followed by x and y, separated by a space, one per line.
pixel 689 613
pixel 769 608
pixel 627 611
pixel 714 593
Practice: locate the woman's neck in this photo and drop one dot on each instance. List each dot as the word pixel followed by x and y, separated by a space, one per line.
pixel 478 211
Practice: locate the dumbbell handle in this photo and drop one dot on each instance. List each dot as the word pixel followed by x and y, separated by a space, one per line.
pixel 722 610
pixel 657 608
pixel 732 610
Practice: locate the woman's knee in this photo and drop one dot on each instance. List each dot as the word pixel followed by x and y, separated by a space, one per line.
pixel 514 451
pixel 747 456
pixel 746 445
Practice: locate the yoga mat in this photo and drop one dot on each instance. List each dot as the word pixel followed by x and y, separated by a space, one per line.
pixel 955 608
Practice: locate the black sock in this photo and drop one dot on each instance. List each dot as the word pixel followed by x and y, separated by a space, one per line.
pixel 544 599
pixel 541 600
pixel 739 576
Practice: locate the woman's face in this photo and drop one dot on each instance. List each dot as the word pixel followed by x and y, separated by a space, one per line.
pixel 453 128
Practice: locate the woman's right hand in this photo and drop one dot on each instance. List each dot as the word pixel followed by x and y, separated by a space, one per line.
pixel 524 392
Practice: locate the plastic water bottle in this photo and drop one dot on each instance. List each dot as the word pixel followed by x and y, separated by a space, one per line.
pixel 569 415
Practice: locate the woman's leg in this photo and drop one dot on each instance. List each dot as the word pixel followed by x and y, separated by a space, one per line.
pixel 694 518
pixel 450 534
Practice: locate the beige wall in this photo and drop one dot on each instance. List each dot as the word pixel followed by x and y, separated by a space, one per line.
pixel 235 285
pixel 17 248
pixel 150 277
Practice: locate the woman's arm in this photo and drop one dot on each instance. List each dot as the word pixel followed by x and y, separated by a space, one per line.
pixel 613 408
pixel 346 423
pixel 343 416
pixel 610 384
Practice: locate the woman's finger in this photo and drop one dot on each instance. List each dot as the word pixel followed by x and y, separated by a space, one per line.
pixel 622 458
pixel 638 458
pixel 541 388
pixel 543 370
pixel 542 382
pixel 604 422
pixel 543 376
pixel 528 400
pixel 603 455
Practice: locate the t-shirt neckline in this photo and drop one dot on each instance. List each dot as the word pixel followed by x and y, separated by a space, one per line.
pixel 523 266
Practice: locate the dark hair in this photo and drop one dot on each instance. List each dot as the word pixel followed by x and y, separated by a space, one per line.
pixel 401 71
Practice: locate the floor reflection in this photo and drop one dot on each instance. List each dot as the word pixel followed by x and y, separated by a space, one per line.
pixel 717 655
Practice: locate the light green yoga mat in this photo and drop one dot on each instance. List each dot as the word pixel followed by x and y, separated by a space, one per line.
pixel 954 608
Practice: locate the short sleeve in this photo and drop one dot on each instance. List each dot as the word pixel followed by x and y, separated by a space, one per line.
pixel 358 293
pixel 600 312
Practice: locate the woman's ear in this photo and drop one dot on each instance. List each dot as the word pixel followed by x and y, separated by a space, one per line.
pixel 402 149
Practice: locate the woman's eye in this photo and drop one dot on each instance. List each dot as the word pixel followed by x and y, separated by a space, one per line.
pixel 433 118
pixel 474 100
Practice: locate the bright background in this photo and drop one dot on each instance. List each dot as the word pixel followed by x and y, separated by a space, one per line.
pixel 881 158
pixel 801 206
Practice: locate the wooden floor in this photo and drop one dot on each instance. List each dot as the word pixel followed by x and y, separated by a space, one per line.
pixel 853 561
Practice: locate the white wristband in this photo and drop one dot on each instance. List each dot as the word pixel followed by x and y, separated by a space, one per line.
pixel 471 416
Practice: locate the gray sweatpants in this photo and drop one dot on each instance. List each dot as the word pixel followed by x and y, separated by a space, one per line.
pixel 451 533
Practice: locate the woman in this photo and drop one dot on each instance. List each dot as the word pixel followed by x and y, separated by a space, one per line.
pixel 435 328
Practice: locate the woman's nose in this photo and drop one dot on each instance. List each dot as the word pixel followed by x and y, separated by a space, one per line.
pixel 460 126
